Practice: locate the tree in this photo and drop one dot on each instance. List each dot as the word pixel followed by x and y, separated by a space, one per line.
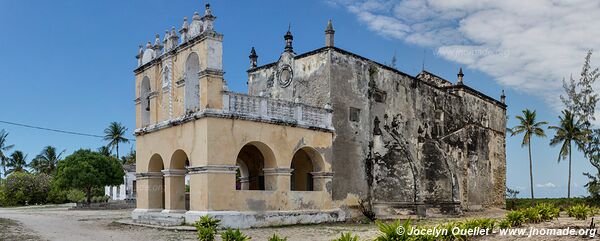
pixel 580 97
pixel 529 127
pixel 129 159
pixel 85 169
pixel 17 162
pixel 581 100
pixel 21 188
pixel 104 150
pixel 46 161
pixel 4 147
pixel 570 130
pixel 115 134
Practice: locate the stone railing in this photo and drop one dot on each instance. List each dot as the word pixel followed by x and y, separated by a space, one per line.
pixel 264 108
pixel 255 108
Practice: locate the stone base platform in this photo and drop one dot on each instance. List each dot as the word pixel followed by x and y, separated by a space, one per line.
pixel 235 219
pixel 397 210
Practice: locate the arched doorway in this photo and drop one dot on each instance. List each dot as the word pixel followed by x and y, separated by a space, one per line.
pixel 302 166
pixel 192 83
pixel 145 101
pixel 156 195
pixel 251 163
pixel 175 186
pixel 305 162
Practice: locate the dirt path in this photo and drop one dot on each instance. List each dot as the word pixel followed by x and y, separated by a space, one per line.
pixel 58 223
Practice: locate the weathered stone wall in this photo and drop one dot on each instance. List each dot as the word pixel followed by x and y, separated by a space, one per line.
pixel 310 81
pixel 401 140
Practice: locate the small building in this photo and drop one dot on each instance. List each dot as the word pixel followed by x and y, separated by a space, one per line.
pixel 316 133
pixel 125 191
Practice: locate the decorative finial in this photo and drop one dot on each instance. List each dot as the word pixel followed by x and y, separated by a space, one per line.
pixel 185 23
pixel 140 54
pixel 288 39
pixel 503 98
pixel 329 32
pixel 148 45
pixel 157 39
pixel 208 18
pixel 329 28
pixel 207 10
pixel 196 16
pixel 253 58
pixel 460 76
pixel 184 29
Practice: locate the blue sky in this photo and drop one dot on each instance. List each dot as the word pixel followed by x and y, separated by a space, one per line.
pixel 68 64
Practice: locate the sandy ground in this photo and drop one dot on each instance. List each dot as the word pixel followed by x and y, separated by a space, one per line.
pixel 58 223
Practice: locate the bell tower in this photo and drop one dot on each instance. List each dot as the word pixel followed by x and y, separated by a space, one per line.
pixel 211 74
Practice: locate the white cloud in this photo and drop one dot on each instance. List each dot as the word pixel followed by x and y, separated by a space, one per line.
pixel 546 185
pixel 528 45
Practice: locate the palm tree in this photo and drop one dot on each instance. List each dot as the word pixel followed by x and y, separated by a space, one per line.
pixel 529 127
pixel 4 147
pixel 47 160
pixel 17 162
pixel 568 131
pixel 115 134
pixel 104 150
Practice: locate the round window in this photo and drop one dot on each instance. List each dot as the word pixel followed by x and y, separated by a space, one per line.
pixel 285 75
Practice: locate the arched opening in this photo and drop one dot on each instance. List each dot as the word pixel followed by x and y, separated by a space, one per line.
pixel 305 161
pixel 156 195
pixel 251 162
pixel 145 101
pixel 192 83
pixel 176 187
pixel 155 164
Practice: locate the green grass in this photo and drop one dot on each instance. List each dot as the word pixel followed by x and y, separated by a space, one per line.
pixel 562 203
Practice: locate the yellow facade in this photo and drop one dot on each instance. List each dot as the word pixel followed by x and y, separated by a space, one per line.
pixel 237 150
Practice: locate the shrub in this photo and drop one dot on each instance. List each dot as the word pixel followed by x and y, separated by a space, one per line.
pixel 75 195
pixel 57 195
pixel 547 211
pixel 532 215
pixel 206 234
pixel 277 238
pixel 515 218
pixel 347 237
pixel 580 212
pixel 207 228
pixel 387 232
pixel 21 188
pixel 234 235
pixel 504 223
pixel 483 223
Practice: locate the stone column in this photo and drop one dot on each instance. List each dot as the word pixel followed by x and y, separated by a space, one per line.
pixel 322 181
pixel 210 186
pixel 244 183
pixel 277 178
pixel 174 190
pixel 149 191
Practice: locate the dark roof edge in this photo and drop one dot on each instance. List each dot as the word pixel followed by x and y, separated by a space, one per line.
pixel 434 75
pixel 323 49
pixel 469 89
pixel 477 93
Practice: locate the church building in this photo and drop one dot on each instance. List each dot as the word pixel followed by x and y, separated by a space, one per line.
pixel 317 134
